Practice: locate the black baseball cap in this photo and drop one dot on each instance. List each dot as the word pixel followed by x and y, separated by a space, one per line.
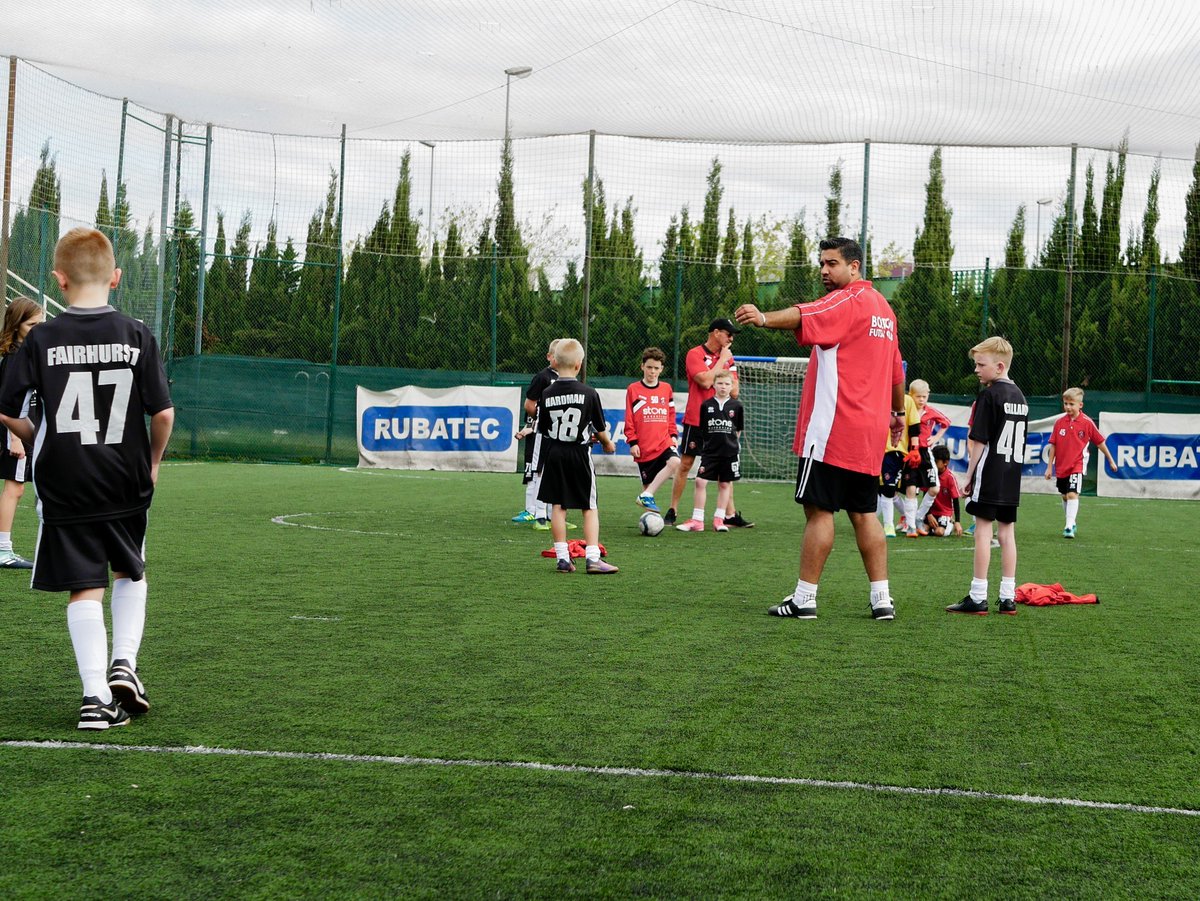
pixel 725 325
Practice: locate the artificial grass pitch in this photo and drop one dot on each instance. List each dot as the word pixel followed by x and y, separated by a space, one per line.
pixel 402 614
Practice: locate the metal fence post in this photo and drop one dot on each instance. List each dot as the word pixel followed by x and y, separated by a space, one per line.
pixel 162 231
pixel 983 323
pixel 200 279
pixel 494 309
pixel 117 224
pixel 7 200
pixel 1066 323
pixel 43 235
pixel 587 241
pixel 1150 316
pixel 678 306
pixel 866 191
pixel 337 304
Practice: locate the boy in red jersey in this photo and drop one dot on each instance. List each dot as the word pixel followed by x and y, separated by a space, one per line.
pixel 650 429
pixel 1067 454
pixel 920 476
pixel 943 516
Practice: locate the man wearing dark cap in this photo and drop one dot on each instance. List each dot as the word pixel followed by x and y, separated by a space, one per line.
pixel 702 364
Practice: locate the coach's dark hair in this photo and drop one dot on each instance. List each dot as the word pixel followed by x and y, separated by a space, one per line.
pixel 847 247
pixel 941 452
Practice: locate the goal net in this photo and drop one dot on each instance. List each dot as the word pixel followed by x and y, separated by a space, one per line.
pixel 770 392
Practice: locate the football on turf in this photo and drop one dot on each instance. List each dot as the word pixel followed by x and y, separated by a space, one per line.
pixel 651 523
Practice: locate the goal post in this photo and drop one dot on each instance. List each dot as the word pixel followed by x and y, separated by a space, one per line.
pixel 770 391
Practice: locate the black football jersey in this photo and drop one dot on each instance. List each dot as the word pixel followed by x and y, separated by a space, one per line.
pixel 721 424
pixel 570 412
pixel 30 410
pixel 540 383
pixel 1000 419
pixel 98 375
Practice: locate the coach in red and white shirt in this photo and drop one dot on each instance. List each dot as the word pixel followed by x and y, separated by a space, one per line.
pixel 853 386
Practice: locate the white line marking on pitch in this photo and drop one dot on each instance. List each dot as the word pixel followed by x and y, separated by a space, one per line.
pixel 607 771
pixel 317 619
pixel 355 470
pixel 282 520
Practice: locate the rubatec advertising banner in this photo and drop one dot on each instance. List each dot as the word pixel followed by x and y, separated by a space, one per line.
pixel 463 428
pixel 1157 454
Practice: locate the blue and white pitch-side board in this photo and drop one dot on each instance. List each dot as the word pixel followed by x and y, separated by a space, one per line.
pixel 472 428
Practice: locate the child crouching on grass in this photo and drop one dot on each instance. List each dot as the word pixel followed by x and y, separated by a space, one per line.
pixel 570 420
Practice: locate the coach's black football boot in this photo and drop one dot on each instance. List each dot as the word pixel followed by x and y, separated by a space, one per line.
pixel 127 688
pixel 669 516
pixel 967 605
pixel 738 521
pixel 95 714
pixel 788 608
pixel 1007 606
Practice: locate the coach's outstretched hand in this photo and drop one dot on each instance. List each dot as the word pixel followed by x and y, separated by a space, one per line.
pixel 749 314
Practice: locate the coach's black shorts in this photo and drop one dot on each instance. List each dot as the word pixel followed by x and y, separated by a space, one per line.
pixel 78 555
pixel 691 440
pixel 14 469
pixel 833 488
pixel 648 469
pixel 993 512
pixel 719 469
pixel 1070 484
pixel 568 478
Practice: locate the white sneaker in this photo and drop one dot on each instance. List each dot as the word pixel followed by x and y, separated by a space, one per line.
pixel 882 608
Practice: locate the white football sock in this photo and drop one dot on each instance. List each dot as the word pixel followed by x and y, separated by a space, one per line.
pixel 910 511
pixel 719 513
pixel 805 594
pixel 128 618
pixel 5 542
pixel 85 622
pixel 560 550
pixel 979 589
pixel 1008 588
pixel 592 553
pixel 1072 511
pixel 880 592
pixel 531 492
pixel 889 511
pixel 698 514
pixel 926 503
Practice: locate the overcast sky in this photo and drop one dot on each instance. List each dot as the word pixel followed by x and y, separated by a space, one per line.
pixel 1013 84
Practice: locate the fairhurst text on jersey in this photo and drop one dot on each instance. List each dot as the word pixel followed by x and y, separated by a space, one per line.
pixel 88 354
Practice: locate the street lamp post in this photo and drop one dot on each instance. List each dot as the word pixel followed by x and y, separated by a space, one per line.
pixel 430 145
pixel 1038 249
pixel 511 73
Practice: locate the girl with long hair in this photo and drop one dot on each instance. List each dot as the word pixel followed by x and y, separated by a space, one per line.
pixel 21 315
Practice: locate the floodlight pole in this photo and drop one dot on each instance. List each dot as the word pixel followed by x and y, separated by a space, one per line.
pixel 429 217
pixel 587 242
pixel 509 74
pixel 1038 249
pixel 337 302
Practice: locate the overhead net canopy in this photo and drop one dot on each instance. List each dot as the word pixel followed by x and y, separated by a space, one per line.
pixel 968 72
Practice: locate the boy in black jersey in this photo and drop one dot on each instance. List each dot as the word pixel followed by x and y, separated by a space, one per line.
pixel 996 447
pixel 535 511
pixel 98 375
pixel 570 421
pixel 721 421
